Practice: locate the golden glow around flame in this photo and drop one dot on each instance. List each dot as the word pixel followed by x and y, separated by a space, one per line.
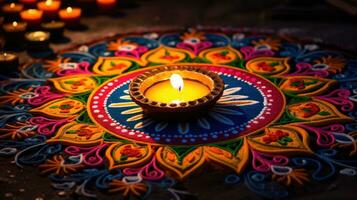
pixel 177 82
pixel 48 2
pixel 69 9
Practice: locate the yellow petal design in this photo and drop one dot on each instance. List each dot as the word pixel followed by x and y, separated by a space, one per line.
pixel 74 84
pixel 306 85
pixel 111 65
pixel 165 55
pixel 220 55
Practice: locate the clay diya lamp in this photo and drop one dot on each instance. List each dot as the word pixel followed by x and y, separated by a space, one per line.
pixel 33 17
pixel 14 34
pixel 11 11
pixel 176 92
pixel 71 16
pixel 55 28
pixel 8 62
pixel 37 40
pixel 49 8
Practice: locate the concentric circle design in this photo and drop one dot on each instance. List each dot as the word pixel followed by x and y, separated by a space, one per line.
pixel 262 104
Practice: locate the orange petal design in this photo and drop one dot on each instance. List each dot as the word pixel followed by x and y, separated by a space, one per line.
pixel 221 156
pixel 182 168
pixel 78 134
pixel 123 155
pixel 316 112
pixel 299 141
pixel 61 108
pixel 268 66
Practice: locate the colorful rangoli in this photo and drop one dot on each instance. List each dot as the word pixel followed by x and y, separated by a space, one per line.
pixel 286 116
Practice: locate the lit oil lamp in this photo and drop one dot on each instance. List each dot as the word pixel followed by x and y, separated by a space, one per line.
pixel 8 62
pixel 33 17
pixel 14 34
pixel 37 40
pixel 50 8
pixel 11 11
pixel 71 16
pixel 55 28
pixel 176 91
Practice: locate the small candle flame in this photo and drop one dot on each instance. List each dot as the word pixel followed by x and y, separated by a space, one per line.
pixel 176 82
pixel 48 2
pixel 14 23
pixel 69 9
pixel 12 5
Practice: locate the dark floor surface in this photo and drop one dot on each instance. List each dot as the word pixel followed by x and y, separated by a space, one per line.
pixel 334 28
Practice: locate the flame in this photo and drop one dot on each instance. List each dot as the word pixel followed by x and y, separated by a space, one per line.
pixel 69 9
pixel 176 82
pixel 48 2
pixel 14 23
pixel 12 5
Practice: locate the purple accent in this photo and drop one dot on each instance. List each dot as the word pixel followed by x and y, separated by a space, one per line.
pixel 82 68
pixel 325 138
pixel 47 126
pixel 305 69
pixel 91 155
pixel 263 162
pixel 149 172
pixel 136 53
pixel 339 97
pixel 195 48
pixel 250 52
pixel 43 95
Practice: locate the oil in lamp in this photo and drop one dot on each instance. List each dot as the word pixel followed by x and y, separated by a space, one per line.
pixel 176 92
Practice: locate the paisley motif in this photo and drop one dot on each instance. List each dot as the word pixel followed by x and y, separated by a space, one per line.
pixel 268 66
pixel 74 84
pixel 60 108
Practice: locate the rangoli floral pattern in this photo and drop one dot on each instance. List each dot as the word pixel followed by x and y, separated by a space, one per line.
pixel 287 115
